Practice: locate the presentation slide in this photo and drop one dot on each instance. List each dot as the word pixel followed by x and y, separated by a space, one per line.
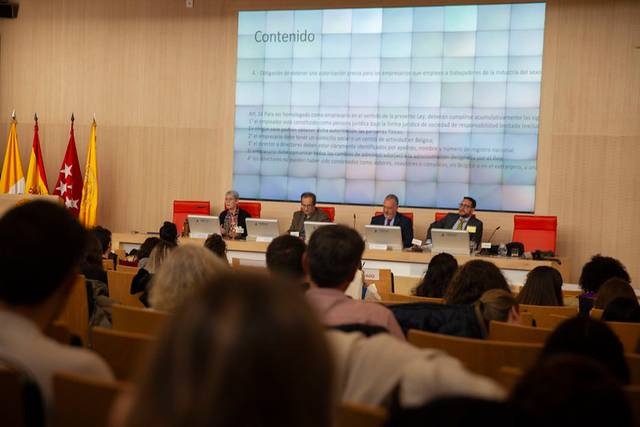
pixel 428 103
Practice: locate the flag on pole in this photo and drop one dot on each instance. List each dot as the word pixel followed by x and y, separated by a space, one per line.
pixel 89 204
pixel 36 177
pixel 12 177
pixel 69 184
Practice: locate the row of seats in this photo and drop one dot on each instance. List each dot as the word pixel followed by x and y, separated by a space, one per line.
pixel 535 232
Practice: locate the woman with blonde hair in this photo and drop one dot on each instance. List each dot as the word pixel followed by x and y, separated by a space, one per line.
pixel 188 268
pixel 142 280
pixel 498 305
pixel 242 351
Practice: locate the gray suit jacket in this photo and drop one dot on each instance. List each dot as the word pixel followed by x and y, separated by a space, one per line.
pixel 451 219
pixel 297 223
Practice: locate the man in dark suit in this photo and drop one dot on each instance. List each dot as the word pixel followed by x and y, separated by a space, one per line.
pixel 463 220
pixel 390 216
pixel 307 212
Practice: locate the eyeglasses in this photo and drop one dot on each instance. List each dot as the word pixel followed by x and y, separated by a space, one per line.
pixel 462 205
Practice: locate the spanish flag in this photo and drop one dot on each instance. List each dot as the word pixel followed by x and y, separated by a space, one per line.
pixel 12 178
pixel 89 205
pixel 36 177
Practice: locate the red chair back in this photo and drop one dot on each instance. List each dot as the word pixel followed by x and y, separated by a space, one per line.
pixel 407 214
pixel 182 208
pixel 330 210
pixel 253 208
pixel 440 215
pixel 535 232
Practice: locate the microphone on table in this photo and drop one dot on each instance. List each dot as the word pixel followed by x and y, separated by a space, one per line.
pixel 488 250
pixel 494 232
pixel 354 221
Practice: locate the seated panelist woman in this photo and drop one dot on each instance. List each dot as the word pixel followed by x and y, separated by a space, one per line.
pixel 233 220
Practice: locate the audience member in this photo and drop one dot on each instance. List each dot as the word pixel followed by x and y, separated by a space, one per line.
pixel 590 338
pixel 331 260
pixel 145 250
pixel 32 298
pixel 614 288
pixel 216 244
pixel 441 269
pixel 188 269
pixel 542 287
pixel 104 236
pixel 284 257
pixel 169 233
pixel 91 266
pixel 498 305
pixel 472 280
pixel 594 273
pixel 141 282
pixel 233 219
pixel 622 310
pixel 242 351
pixel 571 390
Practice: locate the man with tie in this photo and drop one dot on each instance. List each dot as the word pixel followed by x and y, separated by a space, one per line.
pixel 391 217
pixel 463 220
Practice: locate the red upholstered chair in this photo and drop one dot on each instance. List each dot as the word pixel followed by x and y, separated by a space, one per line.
pixel 407 214
pixel 254 208
pixel 440 215
pixel 182 208
pixel 330 210
pixel 535 232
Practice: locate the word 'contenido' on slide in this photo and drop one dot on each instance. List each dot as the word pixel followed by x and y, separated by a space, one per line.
pixel 429 103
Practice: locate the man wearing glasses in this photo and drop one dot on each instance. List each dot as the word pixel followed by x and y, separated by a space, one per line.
pixel 463 220
pixel 307 212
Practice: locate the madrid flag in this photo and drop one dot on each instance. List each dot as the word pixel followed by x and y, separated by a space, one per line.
pixel 69 184
pixel 89 205
pixel 36 177
pixel 12 177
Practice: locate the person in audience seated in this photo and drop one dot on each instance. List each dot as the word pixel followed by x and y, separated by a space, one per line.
pixel 169 233
pixel 216 244
pixel 141 282
pixel 594 273
pixel 542 287
pixel 498 305
pixel 622 309
pixel 32 298
pixel 612 289
pixel 233 220
pixel 472 280
pixel 91 266
pixel 465 219
pixel 188 269
pixel 104 236
pixel 331 260
pixel 284 258
pixel 243 351
pixel 145 250
pixel 391 217
pixel 571 390
pixel 591 338
pixel 307 212
pixel 441 269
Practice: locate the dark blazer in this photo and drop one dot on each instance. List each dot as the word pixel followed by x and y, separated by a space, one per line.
pixel 297 222
pixel 242 219
pixel 406 228
pixel 451 219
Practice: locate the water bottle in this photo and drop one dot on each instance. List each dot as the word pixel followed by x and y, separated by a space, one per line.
pixel 502 249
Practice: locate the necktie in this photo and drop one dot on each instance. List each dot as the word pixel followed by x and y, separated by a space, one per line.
pixel 387 221
pixel 460 224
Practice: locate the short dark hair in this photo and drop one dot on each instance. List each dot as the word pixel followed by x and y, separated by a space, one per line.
pixel 169 232
pixel 284 256
pixel 216 244
pixel 146 247
pixel 472 280
pixel 308 194
pixel 103 235
pixel 622 309
pixel 441 269
pixel 392 197
pixel 471 199
pixel 599 270
pixel 591 338
pixel 334 255
pixel 92 251
pixel 42 232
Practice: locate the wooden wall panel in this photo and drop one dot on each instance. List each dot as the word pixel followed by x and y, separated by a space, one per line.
pixel 160 79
